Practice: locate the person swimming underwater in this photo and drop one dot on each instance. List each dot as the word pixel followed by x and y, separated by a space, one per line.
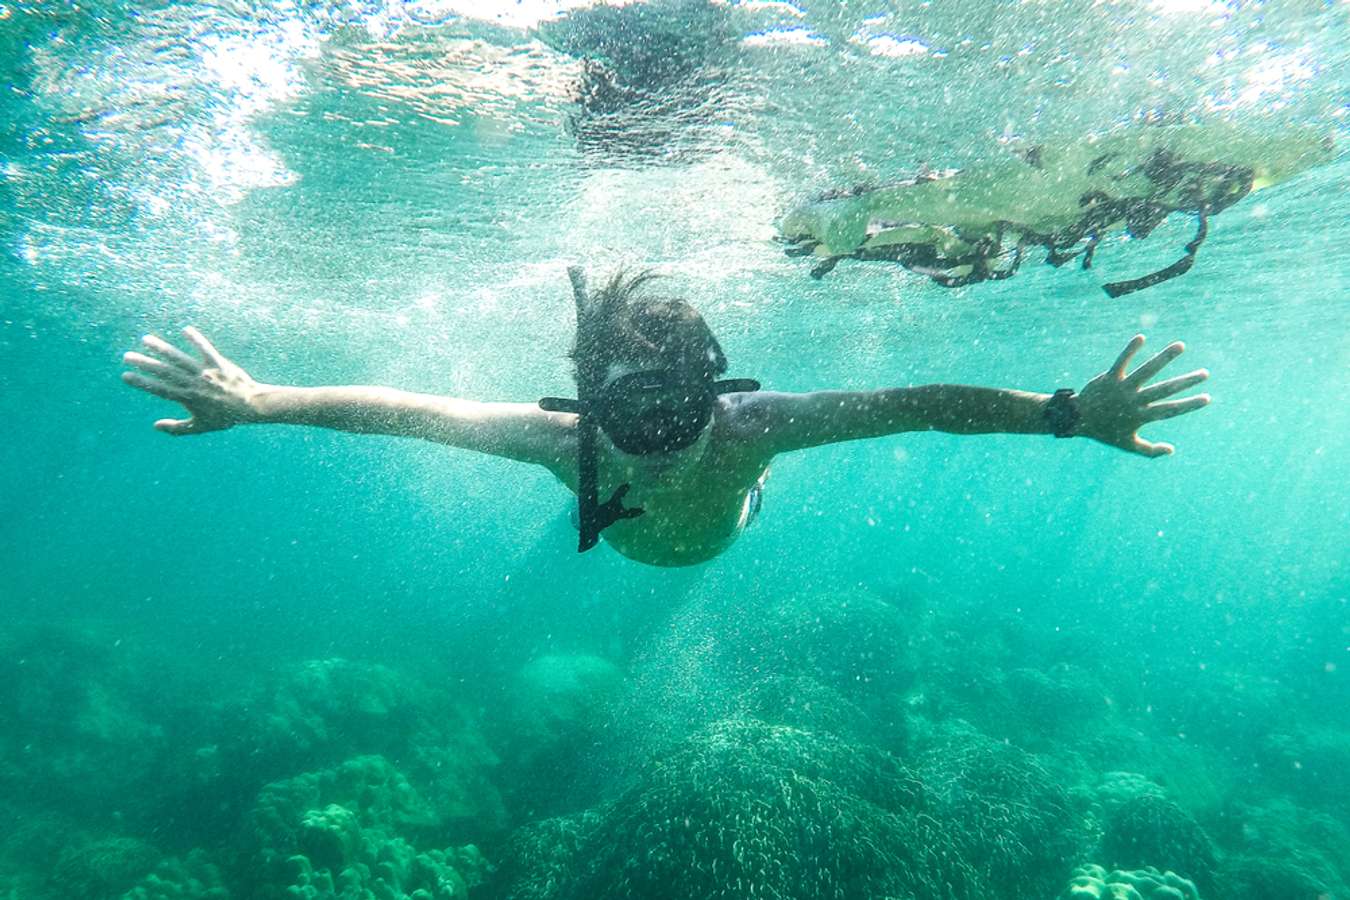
pixel 680 455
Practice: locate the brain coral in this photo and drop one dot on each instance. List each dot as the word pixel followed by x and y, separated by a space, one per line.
pixel 747 809
pixel 1151 830
pixel 1010 817
pixel 1095 883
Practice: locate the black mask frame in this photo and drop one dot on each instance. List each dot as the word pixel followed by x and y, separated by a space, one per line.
pixel 655 410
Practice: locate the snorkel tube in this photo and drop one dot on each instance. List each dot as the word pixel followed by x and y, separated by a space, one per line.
pixel 593 516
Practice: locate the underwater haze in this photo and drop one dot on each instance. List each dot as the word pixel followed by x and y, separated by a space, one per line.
pixel 282 661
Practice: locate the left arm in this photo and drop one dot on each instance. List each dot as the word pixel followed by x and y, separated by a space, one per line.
pixel 1112 408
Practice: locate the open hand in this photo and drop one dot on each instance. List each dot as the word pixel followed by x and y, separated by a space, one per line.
pixel 1114 405
pixel 216 392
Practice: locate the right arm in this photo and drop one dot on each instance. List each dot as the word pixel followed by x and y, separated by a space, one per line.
pixel 219 394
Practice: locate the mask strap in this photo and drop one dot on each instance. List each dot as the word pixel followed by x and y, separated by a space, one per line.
pixel 561 404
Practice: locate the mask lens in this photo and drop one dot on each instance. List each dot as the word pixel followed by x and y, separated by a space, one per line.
pixel 654 411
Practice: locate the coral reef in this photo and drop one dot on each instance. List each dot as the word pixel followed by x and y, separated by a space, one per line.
pixel 802 702
pixel 120 760
pixel 538 860
pixel 1276 878
pixel 72 703
pixel 1055 700
pixel 1311 763
pixel 102 868
pixel 321 713
pixel 1148 829
pixel 385 869
pixel 323 812
pixel 1280 850
pixel 811 747
pixel 980 676
pixel 856 644
pixel 824 662
pixel 193 878
pixel 31 843
pixel 1118 788
pixel 1008 815
pixel 343 832
pixel 1092 882
pixel 556 694
pixel 749 809
pixel 556 711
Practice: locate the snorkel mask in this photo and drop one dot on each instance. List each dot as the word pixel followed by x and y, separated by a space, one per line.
pixel 655 410
pixel 646 412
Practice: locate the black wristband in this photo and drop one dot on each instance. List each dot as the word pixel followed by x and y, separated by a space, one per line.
pixel 1061 413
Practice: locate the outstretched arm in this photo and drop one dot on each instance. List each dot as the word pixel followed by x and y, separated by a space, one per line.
pixel 219 394
pixel 1112 408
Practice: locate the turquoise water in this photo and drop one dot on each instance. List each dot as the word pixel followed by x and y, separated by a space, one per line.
pixel 390 194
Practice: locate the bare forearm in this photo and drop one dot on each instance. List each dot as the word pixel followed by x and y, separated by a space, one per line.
pixel 959 409
pixel 514 430
pixel 219 394
pixel 796 421
pixel 366 410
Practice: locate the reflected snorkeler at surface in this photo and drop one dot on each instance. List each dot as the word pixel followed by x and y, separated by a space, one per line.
pixel 680 455
pixel 1066 198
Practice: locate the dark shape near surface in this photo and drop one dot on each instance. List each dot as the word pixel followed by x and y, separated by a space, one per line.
pixel 969 226
pixel 958 256
pixel 653 78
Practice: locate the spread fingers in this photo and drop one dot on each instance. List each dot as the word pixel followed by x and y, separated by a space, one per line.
pixel 1123 361
pixel 171 354
pixel 157 367
pixel 151 386
pixel 1155 365
pixel 1148 448
pixel 1172 386
pixel 1170 408
pixel 202 344
pixel 176 426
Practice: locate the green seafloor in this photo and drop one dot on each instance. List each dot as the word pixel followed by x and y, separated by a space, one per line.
pixel 283 662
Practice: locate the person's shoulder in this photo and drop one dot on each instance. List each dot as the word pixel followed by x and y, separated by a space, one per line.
pixel 757 407
pixel 741 409
pixel 745 419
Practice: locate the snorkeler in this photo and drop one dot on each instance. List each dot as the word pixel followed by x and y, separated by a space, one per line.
pixel 679 455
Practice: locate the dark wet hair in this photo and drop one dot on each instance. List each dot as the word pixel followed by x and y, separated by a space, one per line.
pixel 631 326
